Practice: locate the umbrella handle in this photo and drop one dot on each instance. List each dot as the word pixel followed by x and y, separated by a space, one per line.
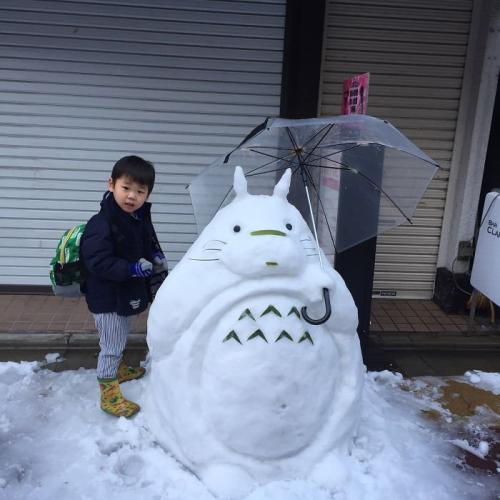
pixel 328 310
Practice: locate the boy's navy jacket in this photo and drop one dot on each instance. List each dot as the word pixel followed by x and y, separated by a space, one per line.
pixel 111 241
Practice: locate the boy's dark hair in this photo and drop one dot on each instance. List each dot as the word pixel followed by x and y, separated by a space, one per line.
pixel 135 167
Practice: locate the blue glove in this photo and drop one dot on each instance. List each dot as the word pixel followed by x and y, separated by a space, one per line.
pixel 141 269
pixel 160 262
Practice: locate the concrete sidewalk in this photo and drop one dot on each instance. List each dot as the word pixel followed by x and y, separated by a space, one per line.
pixel 32 326
pixel 412 336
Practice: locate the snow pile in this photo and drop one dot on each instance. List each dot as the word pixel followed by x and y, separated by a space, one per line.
pixel 55 442
pixel 488 381
pixel 243 389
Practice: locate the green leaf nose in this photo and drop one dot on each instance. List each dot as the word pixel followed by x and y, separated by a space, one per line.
pixel 267 232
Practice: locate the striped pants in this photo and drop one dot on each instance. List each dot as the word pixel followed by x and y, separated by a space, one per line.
pixel 113 331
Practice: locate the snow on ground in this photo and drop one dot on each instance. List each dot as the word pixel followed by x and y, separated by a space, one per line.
pixel 55 442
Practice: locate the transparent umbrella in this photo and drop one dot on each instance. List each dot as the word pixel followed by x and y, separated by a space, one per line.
pixel 356 176
pixel 356 157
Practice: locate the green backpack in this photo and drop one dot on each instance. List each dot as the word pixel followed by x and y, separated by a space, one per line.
pixel 65 273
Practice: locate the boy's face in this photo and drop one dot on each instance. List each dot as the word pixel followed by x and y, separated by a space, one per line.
pixel 129 195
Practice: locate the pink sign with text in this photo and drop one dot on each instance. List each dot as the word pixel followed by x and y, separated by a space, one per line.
pixel 355 94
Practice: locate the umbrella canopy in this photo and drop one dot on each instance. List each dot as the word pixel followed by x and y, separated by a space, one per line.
pixel 354 161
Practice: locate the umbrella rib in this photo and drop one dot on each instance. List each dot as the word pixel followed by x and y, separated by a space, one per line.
pixel 374 184
pixel 322 208
pixel 276 158
pixel 341 167
pixel 430 162
pixel 257 130
pixel 336 152
pixel 292 140
pixel 318 145
pixel 284 158
pixel 319 142
pixel 347 167
pixel 312 137
pixel 266 147
pixel 292 164
pixel 296 149
pixel 224 199
pixel 319 132
pixel 251 173
pixel 268 171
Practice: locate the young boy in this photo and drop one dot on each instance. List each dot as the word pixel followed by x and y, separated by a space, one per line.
pixel 118 250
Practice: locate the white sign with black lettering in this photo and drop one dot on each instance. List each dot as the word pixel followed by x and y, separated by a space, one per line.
pixel 485 275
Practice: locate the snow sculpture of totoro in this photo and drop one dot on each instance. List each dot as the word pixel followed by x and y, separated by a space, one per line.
pixel 242 390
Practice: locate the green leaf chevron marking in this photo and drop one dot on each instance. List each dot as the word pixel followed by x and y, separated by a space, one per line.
pixel 284 335
pixel 257 333
pixel 295 311
pixel 246 312
pixel 271 309
pixel 306 336
pixel 232 335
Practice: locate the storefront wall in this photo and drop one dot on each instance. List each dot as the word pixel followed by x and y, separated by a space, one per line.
pixel 473 133
pixel 415 53
pixel 83 83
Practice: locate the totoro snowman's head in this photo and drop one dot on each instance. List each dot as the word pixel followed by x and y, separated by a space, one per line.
pixel 258 235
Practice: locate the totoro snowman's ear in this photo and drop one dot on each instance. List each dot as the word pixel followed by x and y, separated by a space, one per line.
pixel 240 183
pixel 281 189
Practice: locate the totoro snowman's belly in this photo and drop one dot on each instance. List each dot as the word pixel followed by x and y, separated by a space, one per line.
pixel 268 377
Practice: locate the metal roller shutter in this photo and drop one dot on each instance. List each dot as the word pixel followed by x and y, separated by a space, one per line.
pixel 85 82
pixel 415 54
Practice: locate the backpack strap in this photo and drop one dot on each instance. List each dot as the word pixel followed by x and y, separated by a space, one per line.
pixel 62 256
